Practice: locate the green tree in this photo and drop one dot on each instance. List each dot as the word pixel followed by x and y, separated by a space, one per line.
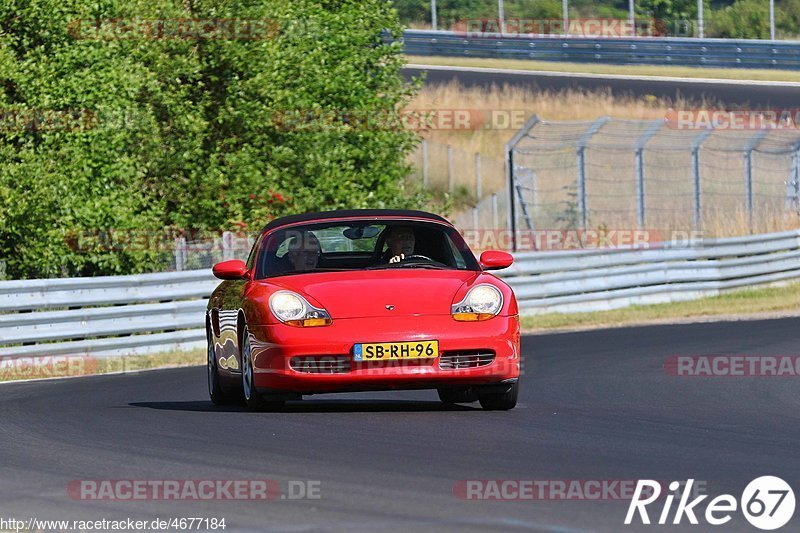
pixel 180 132
pixel 745 19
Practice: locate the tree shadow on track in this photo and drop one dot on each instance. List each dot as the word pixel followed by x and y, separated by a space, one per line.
pixel 315 406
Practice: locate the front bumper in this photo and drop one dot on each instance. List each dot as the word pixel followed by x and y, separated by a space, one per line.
pixel 274 346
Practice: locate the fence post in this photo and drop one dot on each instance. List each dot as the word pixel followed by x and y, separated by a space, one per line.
pixel 478 184
pixel 749 146
pixel 698 200
pixel 227 245
pixel 793 185
pixel 581 161
pixel 510 178
pixel 495 218
pixel 639 155
pixel 449 168
pixel 180 254
pixel 425 164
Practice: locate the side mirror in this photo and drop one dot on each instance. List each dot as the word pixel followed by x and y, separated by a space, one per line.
pixel 496 260
pixel 233 269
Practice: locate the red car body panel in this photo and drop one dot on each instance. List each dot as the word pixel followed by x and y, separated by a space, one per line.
pixel 366 306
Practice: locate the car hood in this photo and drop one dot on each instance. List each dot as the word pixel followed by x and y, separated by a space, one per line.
pixel 360 294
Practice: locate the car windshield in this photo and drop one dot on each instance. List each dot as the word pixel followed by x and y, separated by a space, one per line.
pixel 362 245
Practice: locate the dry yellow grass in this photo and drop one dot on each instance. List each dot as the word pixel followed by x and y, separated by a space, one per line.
pixel 723 184
pixel 549 105
pixel 764 302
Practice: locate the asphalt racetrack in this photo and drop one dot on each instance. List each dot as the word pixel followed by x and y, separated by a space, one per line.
pixel 595 405
pixel 757 95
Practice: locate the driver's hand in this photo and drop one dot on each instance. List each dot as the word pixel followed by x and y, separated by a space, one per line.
pixel 397 258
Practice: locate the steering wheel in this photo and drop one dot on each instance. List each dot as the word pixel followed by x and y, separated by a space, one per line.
pixel 418 256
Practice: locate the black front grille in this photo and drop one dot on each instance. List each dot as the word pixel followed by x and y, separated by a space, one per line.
pixel 465 359
pixel 320 364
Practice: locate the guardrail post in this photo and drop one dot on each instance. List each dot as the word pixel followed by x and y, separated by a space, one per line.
pixel 749 146
pixel 478 184
pixel 581 161
pixel 640 192
pixel 425 164
pixel 449 168
pixel 698 205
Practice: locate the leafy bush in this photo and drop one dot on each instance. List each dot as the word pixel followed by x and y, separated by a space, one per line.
pixel 181 133
pixel 744 19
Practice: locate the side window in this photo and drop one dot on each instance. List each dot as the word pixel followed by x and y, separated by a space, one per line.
pixel 252 257
pixel 457 256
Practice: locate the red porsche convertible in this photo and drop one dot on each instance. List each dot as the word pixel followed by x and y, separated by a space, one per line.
pixel 363 300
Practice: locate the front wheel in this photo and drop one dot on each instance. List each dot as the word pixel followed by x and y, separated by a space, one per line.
pixel 252 398
pixel 500 401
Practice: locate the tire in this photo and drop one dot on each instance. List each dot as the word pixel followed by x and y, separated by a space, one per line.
pixel 500 401
pixel 215 392
pixel 457 395
pixel 252 398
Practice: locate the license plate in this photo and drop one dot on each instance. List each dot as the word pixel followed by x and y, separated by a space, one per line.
pixel 382 351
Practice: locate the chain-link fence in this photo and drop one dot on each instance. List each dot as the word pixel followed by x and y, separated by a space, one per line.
pixel 205 253
pixel 646 174
pixel 468 176
pixel 602 174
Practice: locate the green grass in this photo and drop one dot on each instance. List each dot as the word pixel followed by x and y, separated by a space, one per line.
pixel 595 68
pixel 71 366
pixel 770 301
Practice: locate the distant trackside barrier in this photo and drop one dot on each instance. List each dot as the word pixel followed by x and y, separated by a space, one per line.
pixel 147 313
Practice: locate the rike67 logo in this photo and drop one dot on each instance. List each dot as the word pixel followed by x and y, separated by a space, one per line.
pixel 767 503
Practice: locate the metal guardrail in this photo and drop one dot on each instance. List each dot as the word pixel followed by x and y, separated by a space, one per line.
pixel 595 280
pixel 104 316
pixel 725 53
pixel 147 313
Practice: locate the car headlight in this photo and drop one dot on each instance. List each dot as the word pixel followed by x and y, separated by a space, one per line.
pixel 294 310
pixel 482 302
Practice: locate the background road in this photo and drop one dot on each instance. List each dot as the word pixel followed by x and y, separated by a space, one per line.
pixel 754 96
pixel 595 405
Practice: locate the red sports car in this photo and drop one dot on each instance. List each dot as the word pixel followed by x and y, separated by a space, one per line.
pixel 358 301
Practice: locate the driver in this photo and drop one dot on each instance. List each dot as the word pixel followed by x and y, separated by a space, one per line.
pixel 304 251
pixel 400 243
